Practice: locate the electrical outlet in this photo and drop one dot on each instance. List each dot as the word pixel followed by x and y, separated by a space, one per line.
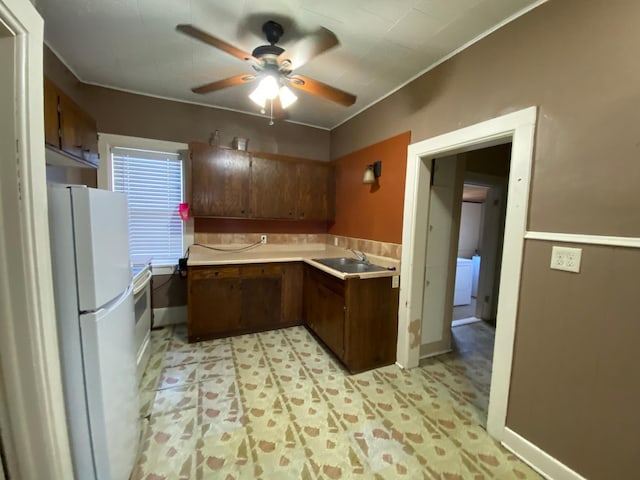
pixel 263 239
pixel 565 258
pixel 335 241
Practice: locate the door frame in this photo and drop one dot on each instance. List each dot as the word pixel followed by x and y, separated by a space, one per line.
pixel 519 129
pixel 37 435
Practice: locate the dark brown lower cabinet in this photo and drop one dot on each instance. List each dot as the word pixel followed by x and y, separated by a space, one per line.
pixel 325 309
pixel 357 319
pixel 237 299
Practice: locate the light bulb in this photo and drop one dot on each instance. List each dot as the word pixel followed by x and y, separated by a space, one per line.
pixel 267 89
pixel 368 175
pixel 287 97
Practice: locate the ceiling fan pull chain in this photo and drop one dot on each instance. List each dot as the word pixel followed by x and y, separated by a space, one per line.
pixel 271 112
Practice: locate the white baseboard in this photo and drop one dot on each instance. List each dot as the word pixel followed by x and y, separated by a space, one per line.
pixel 538 459
pixel 169 316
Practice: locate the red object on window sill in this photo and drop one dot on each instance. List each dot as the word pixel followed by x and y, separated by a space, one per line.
pixel 183 208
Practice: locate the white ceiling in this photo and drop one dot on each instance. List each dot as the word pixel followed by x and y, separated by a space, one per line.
pixel 132 45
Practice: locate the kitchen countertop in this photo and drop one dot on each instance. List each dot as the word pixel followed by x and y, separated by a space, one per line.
pixel 269 253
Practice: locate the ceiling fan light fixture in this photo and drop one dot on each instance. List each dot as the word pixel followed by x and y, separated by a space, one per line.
pixel 287 97
pixel 267 89
pixel 258 98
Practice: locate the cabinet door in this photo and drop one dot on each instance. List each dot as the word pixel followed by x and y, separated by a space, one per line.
pixel 51 125
pixel 274 192
pixel 75 129
pixel 330 321
pixel 316 198
pixel 292 293
pixel 219 182
pixel 215 302
pixel 324 309
pixel 89 138
pixel 261 302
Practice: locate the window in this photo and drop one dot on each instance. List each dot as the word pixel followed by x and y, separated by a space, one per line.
pixel 153 183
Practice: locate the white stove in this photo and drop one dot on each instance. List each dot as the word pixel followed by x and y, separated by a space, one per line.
pixel 142 303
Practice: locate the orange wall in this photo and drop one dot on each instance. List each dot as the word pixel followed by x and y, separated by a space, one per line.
pixel 373 212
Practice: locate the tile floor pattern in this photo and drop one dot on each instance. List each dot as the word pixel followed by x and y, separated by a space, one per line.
pixel 276 405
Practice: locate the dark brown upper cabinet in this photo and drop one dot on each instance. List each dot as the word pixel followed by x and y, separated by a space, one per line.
pixel 70 132
pixel 235 184
pixel 219 182
pixel 316 191
pixel 274 188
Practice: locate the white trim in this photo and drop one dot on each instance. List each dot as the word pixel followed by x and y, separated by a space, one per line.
pixel 629 242
pixel 28 335
pixel 169 316
pixel 106 141
pixel 517 127
pixel 540 461
pixel 474 40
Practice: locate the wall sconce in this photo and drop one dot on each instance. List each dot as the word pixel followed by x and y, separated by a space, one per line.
pixel 372 172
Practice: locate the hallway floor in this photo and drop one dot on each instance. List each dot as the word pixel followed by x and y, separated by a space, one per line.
pixel 276 405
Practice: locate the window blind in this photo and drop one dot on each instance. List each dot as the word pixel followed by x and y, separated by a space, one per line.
pixel 152 182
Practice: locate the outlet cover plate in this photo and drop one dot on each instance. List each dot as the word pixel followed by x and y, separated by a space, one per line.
pixel 566 258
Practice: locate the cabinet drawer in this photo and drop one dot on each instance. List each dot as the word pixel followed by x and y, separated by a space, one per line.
pixel 205 273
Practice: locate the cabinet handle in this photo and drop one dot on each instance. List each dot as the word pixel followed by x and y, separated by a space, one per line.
pixel 241 211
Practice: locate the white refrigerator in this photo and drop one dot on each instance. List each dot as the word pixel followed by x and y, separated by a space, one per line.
pixel 96 328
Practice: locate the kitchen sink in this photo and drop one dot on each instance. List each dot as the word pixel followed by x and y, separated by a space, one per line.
pixel 349 265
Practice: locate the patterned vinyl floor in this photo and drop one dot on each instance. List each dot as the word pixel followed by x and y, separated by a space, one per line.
pixel 276 405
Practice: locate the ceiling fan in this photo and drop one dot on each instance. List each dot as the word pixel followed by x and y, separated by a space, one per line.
pixel 274 67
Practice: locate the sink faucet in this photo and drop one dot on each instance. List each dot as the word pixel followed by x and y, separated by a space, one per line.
pixel 361 256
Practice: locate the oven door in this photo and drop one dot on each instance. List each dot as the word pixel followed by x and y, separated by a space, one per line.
pixel 142 308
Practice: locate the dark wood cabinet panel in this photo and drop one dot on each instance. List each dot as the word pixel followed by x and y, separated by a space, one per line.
pixel 215 302
pixel 372 310
pixel 292 278
pixel 316 191
pixel 261 296
pixel 357 319
pixel 274 189
pixel 233 300
pixel 235 184
pixel 325 309
pixel 69 130
pixel 51 122
pixel 219 182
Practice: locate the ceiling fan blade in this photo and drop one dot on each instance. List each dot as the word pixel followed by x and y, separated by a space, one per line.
pixel 227 82
pixel 314 87
pixel 216 42
pixel 309 47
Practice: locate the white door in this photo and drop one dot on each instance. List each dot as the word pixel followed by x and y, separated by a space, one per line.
pixel 101 231
pixel 492 240
pixel 109 356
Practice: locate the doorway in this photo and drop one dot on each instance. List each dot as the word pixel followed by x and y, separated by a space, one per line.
pixel 481 234
pixel 517 128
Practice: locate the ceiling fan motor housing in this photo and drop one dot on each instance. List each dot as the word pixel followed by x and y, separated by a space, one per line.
pixel 264 50
pixel 273 31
